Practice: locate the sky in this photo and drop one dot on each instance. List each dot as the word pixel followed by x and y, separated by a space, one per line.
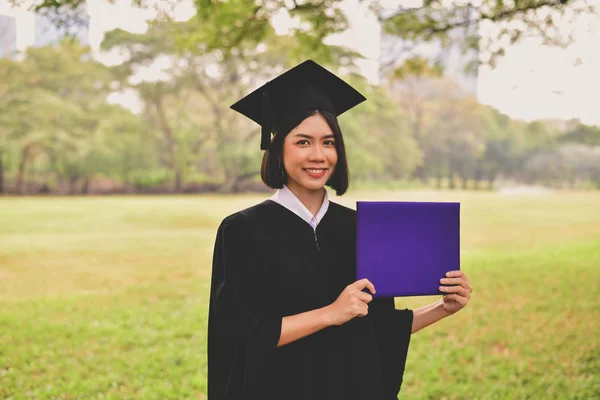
pixel 530 81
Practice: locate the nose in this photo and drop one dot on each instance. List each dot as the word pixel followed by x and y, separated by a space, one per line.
pixel 316 153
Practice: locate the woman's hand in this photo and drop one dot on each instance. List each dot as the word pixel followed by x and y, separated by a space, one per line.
pixel 352 302
pixel 457 295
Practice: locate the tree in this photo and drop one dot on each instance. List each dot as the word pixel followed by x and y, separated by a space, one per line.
pixel 62 92
pixel 446 22
pixel 189 132
pixel 415 84
pixel 10 98
pixel 501 146
pixel 444 120
pixel 189 107
pixel 379 144
pixel 432 21
pixel 583 162
pixel 224 25
pixel 584 134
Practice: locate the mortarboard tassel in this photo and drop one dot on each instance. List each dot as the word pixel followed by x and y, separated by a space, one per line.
pixel 266 121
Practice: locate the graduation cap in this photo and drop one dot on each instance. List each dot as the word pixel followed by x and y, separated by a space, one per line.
pixel 284 100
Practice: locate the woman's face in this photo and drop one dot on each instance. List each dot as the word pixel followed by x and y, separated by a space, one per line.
pixel 309 154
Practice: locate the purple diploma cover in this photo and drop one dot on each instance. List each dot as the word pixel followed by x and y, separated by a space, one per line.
pixel 405 248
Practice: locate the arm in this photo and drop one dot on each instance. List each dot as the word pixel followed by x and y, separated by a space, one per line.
pixel 351 303
pixel 297 326
pixel 456 298
pixel 427 315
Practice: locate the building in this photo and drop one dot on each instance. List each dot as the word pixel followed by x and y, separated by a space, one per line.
pixel 383 52
pixel 47 33
pixel 8 36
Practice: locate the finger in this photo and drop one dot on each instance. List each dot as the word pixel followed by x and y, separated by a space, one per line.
pixel 454 297
pixel 360 311
pixel 455 274
pixel 452 281
pixel 364 310
pixel 364 297
pixel 457 281
pixel 364 283
pixel 363 314
pixel 458 274
pixel 455 289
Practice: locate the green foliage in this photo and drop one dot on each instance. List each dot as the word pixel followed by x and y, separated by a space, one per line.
pixel 587 135
pixel 418 67
pixel 151 179
pixel 378 142
pixel 107 297
pixel 68 125
pixel 458 22
pixel 234 25
pixel 565 165
pixel 417 125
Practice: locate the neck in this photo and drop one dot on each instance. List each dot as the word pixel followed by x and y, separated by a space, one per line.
pixel 312 199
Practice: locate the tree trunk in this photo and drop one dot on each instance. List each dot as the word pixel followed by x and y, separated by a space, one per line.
pixel 491 180
pixel 126 172
pixel 169 141
pixel 465 183
pixel 1 174
pixel 72 185
pixel 421 174
pixel 233 183
pixel 178 180
pixel 85 188
pixel 227 186
pixel 451 183
pixel 22 167
pixel 478 176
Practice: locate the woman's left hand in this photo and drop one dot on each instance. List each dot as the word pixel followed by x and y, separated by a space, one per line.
pixel 458 294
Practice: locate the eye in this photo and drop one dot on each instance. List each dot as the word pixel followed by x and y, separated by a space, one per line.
pixel 329 142
pixel 304 141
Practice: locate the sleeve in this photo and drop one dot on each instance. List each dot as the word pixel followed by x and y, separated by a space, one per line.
pixel 242 332
pixel 393 331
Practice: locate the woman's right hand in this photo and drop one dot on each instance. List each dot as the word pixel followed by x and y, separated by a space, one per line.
pixel 352 302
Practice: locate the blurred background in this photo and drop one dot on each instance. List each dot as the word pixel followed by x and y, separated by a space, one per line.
pixel 490 103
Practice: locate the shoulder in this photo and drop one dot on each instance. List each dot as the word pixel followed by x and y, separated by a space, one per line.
pixel 341 210
pixel 343 218
pixel 249 217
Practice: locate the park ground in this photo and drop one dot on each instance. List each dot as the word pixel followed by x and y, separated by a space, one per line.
pixel 107 297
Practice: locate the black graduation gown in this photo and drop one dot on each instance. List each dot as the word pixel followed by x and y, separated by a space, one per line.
pixel 269 263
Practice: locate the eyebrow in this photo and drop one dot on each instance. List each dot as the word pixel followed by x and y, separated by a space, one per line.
pixel 310 137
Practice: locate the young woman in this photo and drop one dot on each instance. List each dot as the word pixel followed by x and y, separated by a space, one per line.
pixel 287 318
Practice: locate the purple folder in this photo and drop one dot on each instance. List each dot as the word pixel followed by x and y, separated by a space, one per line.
pixel 405 248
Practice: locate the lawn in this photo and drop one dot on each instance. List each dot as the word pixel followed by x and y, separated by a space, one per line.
pixel 107 297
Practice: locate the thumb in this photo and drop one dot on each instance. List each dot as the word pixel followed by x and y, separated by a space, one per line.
pixel 364 283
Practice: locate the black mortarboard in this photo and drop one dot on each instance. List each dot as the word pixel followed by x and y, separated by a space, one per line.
pixel 285 99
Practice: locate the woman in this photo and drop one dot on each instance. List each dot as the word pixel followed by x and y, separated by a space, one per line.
pixel 287 320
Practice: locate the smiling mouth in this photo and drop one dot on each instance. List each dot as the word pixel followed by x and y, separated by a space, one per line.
pixel 315 173
pixel 315 170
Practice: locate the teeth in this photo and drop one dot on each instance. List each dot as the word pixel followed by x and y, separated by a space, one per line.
pixel 315 171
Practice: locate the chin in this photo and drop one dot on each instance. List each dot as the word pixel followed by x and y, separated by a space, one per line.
pixel 315 185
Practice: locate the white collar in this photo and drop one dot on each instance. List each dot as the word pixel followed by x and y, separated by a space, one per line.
pixel 288 199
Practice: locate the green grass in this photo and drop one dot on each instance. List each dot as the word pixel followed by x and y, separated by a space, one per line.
pixel 106 298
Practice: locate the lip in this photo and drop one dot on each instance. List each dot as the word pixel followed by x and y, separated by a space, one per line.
pixel 313 175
